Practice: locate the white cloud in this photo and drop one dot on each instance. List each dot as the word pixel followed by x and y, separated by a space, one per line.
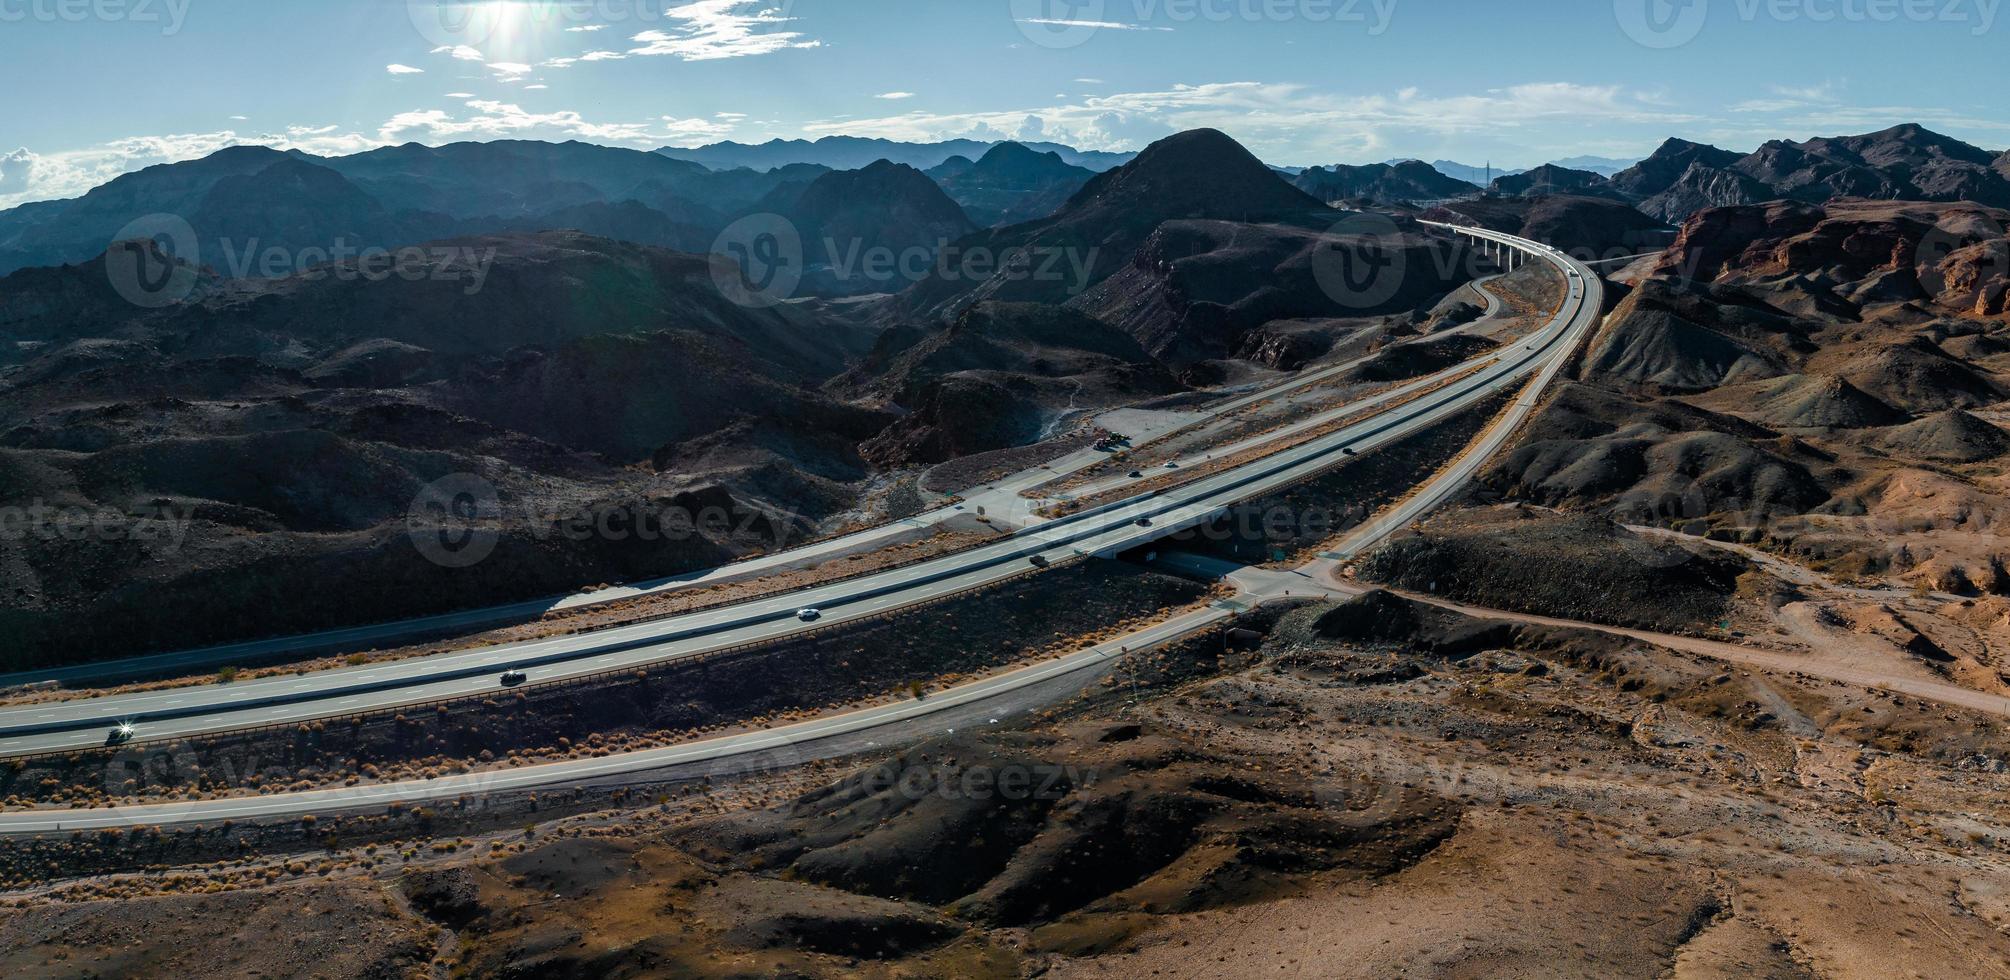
pixel 585 29
pixel 26 176
pixel 460 95
pixel 460 52
pixel 603 56
pixel 404 70
pixel 1101 25
pixel 558 62
pixel 1089 81
pixel 509 68
pixel 894 96
pixel 1285 122
pixel 687 131
pixel 240 118
pixel 1825 92
pixel 535 88
pixel 491 118
pixel 715 29
pixel 17 170
pixel 729 115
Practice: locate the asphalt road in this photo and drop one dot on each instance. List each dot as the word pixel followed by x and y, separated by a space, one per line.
pixel 666 760
pixel 1105 530
pixel 1003 498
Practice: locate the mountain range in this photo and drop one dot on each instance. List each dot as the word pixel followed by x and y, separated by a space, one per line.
pixel 1409 180
pixel 1907 162
pixel 1010 184
pixel 853 152
pixel 295 415
pixel 296 203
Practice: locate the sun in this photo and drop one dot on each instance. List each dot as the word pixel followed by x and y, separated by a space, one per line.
pixel 510 22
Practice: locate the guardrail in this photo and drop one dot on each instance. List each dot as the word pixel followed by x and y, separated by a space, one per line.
pixel 597 677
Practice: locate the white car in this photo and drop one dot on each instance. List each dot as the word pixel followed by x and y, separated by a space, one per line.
pixel 809 615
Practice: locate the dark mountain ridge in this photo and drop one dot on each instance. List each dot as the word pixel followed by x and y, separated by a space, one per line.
pixel 853 152
pixel 1011 184
pixel 1197 174
pixel 1382 183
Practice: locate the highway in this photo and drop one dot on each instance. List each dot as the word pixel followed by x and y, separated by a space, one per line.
pixel 1106 530
pixel 1006 499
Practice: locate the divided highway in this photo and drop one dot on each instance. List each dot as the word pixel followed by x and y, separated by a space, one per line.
pixel 1105 530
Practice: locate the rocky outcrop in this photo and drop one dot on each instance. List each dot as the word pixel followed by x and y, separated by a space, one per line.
pixel 1701 187
pixel 1666 166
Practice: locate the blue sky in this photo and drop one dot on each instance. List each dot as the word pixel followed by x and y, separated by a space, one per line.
pixel 98 87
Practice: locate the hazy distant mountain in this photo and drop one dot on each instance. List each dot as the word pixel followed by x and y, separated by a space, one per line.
pixel 1602 166
pixel 510 177
pixel 1476 176
pixel 247 197
pixel 853 152
pixel 1010 184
